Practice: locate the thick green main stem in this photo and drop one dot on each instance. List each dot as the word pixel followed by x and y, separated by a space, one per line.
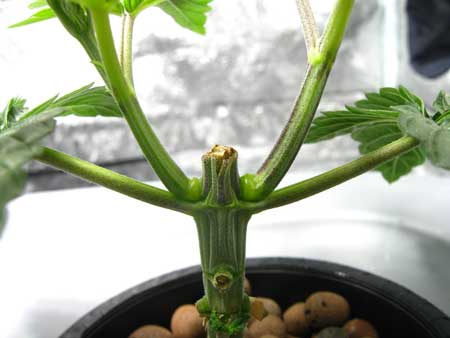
pixel 294 134
pixel 112 180
pixel 336 176
pixel 165 167
pixel 222 236
pixel 222 227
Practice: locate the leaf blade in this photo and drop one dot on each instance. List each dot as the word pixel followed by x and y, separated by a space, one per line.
pixel 40 16
pixel 18 145
pixel 14 108
pixel 190 14
pixel 377 136
pixel 134 7
pixel 373 123
pixel 87 101
pixel 442 102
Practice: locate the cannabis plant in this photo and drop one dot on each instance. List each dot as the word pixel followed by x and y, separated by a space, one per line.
pixel 396 130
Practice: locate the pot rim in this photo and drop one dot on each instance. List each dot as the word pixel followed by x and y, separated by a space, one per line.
pixel 421 310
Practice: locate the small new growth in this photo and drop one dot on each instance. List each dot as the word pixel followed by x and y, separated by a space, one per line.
pixel 396 130
pixel 310 32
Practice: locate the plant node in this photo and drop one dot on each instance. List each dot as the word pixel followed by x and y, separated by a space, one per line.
pixel 222 280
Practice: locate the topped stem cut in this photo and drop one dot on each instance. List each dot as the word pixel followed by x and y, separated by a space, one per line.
pixel 220 176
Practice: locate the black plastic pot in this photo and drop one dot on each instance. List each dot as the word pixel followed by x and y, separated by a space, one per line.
pixel 395 311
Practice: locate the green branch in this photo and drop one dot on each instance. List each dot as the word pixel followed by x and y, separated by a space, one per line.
pixel 336 176
pixel 255 188
pixel 112 180
pixel 165 167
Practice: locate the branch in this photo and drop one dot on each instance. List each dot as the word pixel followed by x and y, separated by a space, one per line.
pixel 165 167
pixel 112 180
pixel 332 178
pixel 283 154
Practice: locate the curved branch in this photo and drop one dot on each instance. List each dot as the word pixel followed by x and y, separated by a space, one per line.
pixel 112 180
pixel 289 143
pixel 332 178
pixel 165 167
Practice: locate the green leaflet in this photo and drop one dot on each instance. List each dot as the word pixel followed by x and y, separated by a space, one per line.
pixel 134 7
pixel 68 11
pixel 37 4
pixel 438 148
pixel 18 145
pixel 444 120
pixel 373 123
pixel 442 107
pixel 21 131
pixel 375 109
pixel 377 136
pixel 86 101
pixel 12 111
pixel 434 133
pixel 333 124
pixel 442 103
pixel 190 14
pixel 435 139
pixel 39 16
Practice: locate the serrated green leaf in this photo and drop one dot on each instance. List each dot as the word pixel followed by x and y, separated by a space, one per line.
pixel 190 14
pixel 442 103
pixel 412 98
pixel 334 124
pixel 380 100
pixel 38 4
pixel 39 16
pixel 444 120
pixel 413 123
pixel 87 101
pixel 437 147
pixel 18 145
pixel 435 139
pixel 373 123
pixel 377 136
pixel 12 111
pixel 375 109
pixel 134 7
pixel 401 166
pixel 393 94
